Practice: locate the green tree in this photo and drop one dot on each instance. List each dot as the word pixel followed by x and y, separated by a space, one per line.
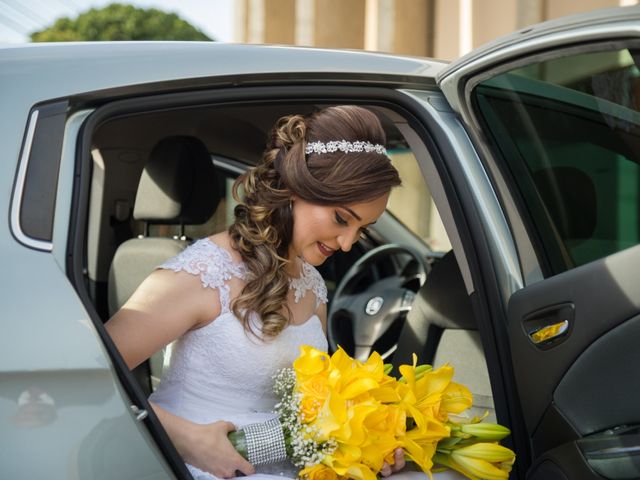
pixel 119 22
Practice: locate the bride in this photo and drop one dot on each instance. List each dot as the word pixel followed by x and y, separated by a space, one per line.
pixel 240 303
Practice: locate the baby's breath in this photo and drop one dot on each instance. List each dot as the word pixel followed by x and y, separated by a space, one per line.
pixel 302 440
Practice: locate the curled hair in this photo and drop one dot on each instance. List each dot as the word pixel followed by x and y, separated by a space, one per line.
pixel 263 226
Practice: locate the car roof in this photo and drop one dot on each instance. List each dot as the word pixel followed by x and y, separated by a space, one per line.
pixel 529 37
pixel 40 71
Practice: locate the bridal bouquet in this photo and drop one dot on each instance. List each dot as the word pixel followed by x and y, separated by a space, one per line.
pixel 340 418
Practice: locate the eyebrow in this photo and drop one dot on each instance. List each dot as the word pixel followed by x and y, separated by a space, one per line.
pixel 353 214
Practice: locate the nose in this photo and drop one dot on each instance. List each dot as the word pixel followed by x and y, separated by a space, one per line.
pixel 347 239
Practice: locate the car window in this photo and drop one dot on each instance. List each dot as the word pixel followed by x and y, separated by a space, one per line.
pixel 567 131
pixel 412 203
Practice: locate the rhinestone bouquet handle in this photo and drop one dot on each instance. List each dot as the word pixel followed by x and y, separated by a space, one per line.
pixel 260 443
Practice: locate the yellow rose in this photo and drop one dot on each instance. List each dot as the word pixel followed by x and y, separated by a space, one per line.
pixel 389 419
pixel 315 387
pixel 309 407
pixel 318 472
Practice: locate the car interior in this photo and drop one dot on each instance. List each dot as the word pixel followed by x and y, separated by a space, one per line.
pixel 161 178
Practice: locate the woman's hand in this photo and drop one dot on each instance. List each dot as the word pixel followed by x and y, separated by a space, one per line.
pixel 210 450
pixel 398 464
pixel 204 446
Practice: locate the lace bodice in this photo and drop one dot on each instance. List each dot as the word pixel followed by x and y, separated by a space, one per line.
pixel 220 371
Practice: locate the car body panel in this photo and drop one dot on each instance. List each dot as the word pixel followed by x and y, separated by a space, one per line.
pixel 76 68
pixel 60 392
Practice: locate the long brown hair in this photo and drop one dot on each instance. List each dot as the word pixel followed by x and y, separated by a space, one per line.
pixel 263 226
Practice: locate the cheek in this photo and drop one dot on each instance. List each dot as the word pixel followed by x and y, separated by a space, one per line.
pixel 309 228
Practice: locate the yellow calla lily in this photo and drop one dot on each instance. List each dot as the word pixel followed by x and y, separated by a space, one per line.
pixel 360 472
pixel 456 398
pixel 340 360
pixel 491 452
pixel 364 415
pixel 386 394
pixel 482 461
pixel 477 468
pixel 358 387
pixel 311 361
pixel 486 431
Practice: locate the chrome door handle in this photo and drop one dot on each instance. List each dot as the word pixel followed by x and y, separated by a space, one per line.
pixel 139 413
pixel 543 334
pixel 549 326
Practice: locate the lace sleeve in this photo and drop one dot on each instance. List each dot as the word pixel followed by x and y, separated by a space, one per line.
pixel 309 280
pixel 211 263
pixel 320 290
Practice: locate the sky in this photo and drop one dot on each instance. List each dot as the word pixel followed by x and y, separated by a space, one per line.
pixel 18 18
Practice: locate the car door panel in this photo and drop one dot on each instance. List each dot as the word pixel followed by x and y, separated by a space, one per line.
pixel 605 297
pixel 556 118
pixel 578 386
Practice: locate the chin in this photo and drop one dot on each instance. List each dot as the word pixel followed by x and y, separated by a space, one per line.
pixel 316 259
pixel 316 262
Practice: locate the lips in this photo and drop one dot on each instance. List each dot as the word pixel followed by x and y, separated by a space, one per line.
pixel 326 251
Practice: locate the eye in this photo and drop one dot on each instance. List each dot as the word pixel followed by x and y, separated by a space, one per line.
pixel 340 220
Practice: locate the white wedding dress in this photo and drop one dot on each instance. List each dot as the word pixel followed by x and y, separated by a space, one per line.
pixel 220 372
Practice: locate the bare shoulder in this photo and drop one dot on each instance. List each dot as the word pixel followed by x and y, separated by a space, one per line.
pixel 165 306
pixel 164 290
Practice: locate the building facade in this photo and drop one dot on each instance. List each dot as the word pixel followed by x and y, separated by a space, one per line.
pixel 442 29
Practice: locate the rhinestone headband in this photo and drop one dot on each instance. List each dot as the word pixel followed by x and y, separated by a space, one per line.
pixel 344 146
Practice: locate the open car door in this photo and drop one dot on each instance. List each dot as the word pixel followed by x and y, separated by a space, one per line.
pixel 555 112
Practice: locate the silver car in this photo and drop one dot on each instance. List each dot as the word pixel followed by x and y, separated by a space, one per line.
pixel 524 154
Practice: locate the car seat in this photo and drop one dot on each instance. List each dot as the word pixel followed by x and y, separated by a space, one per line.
pixel 178 186
pixel 440 328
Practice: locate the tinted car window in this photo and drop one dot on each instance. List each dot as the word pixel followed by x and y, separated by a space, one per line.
pixel 422 219
pixel 567 129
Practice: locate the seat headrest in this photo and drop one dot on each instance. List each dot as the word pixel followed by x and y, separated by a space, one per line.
pixel 178 184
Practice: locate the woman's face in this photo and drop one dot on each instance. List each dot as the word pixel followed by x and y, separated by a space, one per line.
pixel 318 231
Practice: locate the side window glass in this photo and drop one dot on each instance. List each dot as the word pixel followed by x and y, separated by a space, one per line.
pixel 422 217
pixel 567 130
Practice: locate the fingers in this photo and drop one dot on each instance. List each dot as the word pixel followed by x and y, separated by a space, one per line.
pixel 237 461
pixel 399 461
pixel 224 460
pixel 228 426
pixel 245 467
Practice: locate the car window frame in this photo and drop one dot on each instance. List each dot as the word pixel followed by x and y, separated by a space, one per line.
pixel 33 200
pixel 371 95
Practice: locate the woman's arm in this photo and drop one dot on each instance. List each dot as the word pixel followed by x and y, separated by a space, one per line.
pixel 204 446
pixel 165 306
pixel 322 314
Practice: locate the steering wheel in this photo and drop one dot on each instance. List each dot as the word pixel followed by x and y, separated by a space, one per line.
pixel 358 316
